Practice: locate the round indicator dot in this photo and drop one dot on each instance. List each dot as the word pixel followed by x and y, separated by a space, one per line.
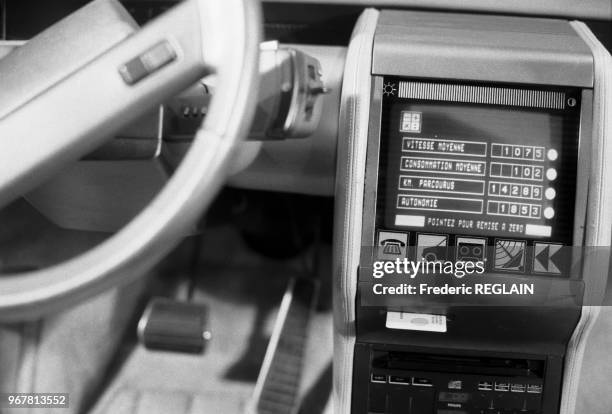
pixel 551 174
pixel 552 154
pixel 550 193
pixel 549 212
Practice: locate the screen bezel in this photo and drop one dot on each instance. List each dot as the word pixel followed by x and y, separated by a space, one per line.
pixel 370 205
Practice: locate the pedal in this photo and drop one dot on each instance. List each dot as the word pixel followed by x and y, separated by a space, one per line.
pixel 277 388
pixel 171 325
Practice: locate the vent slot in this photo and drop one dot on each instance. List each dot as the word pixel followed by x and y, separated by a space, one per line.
pixel 482 95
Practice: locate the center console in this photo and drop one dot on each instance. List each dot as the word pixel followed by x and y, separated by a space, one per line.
pixel 478 141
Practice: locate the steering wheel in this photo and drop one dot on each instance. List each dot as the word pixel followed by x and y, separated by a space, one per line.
pixel 60 125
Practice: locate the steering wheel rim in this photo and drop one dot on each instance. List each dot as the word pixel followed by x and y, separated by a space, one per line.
pixel 129 253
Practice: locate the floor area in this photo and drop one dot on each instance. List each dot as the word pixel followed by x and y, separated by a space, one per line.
pixel 243 291
pixel 72 351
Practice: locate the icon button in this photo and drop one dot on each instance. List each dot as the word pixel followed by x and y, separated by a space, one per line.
pixel 411 121
pixel 432 247
pixel 389 89
pixel 392 245
pixel 380 378
pixel 471 249
pixel 549 213
pixel 510 255
pixel 548 258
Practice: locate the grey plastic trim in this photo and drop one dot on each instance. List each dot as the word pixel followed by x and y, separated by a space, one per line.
pixel 598 225
pixel 368 237
pixel 352 146
pixel 482 48
pixel 585 146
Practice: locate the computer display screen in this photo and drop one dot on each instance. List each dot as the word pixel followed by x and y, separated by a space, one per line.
pixel 484 169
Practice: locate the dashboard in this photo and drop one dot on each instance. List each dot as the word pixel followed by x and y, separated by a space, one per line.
pixel 470 140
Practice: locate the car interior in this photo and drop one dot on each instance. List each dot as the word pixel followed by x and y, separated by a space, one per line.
pixel 218 207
